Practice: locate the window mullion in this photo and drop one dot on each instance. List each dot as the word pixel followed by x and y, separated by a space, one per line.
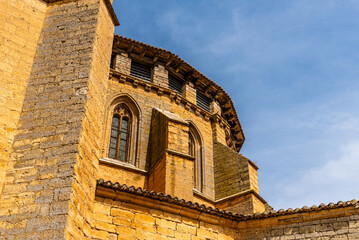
pixel 128 139
pixel 118 138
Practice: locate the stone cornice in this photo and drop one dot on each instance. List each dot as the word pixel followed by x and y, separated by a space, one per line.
pixel 179 67
pixel 148 86
pixel 120 192
pixel 114 191
pixel 166 206
pixel 218 217
pixel 178 99
pixel 229 198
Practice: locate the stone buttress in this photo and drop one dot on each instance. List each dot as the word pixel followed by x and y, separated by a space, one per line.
pixel 50 145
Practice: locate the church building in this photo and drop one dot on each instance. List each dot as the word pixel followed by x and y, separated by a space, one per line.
pixel 105 137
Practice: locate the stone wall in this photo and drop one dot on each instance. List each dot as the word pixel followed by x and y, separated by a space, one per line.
pixel 219 134
pixel 122 63
pixel 95 72
pixel 151 221
pixel 20 26
pixel 342 223
pixel 129 213
pixel 123 174
pixel 149 98
pixel 171 170
pixel 160 75
pixel 158 143
pixel 189 92
pixel 236 187
pixel 229 181
pixel 50 181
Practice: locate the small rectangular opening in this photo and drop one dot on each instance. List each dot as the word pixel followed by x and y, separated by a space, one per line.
pixel 141 71
pixel 175 84
pixel 203 101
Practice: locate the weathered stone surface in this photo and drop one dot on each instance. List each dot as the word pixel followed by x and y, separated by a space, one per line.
pixel 20 27
pixel 57 99
pixel 50 174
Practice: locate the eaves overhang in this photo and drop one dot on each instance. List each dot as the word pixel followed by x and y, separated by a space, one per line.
pixel 179 67
pixel 108 189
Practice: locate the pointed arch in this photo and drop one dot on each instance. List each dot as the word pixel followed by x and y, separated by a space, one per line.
pixel 122 132
pixel 196 150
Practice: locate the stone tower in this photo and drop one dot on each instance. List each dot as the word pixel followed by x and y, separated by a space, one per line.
pixel 55 58
pixel 104 137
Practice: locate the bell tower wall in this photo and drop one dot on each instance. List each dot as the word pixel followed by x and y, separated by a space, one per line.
pixel 20 27
pixel 51 173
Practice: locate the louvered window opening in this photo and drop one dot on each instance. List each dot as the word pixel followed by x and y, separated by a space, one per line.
pixel 175 84
pixel 203 101
pixel 141 71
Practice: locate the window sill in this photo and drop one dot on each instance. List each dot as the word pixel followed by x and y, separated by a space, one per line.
pixel 201 195
pixel 123 165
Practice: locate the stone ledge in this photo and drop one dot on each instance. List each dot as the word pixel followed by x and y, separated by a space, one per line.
pixel 172 117
pixel 123 165
pixel 169 59
pixel 189 157
pixel 201 195
pixel 240 194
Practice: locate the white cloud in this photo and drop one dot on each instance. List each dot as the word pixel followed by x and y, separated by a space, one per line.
pixel 292 67
pixel 312 154
pixel 334 181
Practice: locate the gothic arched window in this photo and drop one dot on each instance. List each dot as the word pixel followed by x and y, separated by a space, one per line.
pixel 195 150
pixel 120 133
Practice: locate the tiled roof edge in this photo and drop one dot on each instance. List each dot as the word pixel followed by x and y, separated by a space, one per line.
pixel 117 37
pixel 215 211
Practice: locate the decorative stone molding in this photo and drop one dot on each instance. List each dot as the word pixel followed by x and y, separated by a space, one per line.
pixel 193 79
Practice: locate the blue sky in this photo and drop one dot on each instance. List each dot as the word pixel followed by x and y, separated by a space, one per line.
pixel 291 68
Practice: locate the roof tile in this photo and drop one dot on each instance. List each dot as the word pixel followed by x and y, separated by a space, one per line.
pixel 215 211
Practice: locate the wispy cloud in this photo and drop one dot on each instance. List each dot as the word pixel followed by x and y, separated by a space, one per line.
pixel 335 180
pixel 309 154
pixel 291 68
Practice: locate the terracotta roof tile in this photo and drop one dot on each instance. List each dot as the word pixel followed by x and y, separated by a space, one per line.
pixel 126 40
pixel 218 212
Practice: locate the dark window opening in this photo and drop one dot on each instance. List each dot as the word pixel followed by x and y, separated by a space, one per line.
pixel 203 101
pixel 120 134
pixel 141 71
pixel 175 84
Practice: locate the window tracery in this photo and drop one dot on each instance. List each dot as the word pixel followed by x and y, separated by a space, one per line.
pixel 120 134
